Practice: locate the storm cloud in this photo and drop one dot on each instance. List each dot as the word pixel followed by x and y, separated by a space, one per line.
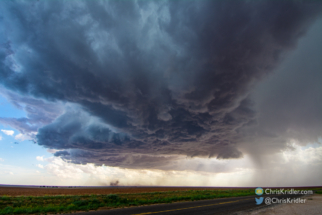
pixel 144 83
pixel 38 113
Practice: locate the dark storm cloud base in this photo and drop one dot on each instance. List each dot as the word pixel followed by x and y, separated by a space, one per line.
pixel 147 81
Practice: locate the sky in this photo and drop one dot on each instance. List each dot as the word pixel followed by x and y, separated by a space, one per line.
pixel 169 93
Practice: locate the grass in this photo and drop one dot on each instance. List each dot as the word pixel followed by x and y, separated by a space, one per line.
pixel 69 203
pixel 318 192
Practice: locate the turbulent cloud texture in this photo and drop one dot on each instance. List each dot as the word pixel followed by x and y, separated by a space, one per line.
pixel 39 113
pixel 143 83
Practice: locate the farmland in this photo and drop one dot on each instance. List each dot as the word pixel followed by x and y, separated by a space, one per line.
pixel 17 200
pixel 36 191
pixel 61 200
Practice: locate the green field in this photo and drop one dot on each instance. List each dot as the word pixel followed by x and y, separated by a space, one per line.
pixel 63 204
pixel 72 203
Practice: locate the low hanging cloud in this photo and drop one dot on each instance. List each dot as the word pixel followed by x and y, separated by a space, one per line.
pixel 287 168
pixel 8 132
pixel 22 137
pixel 40 158
pixel 38 111
pixel 164 80
pixel 40 166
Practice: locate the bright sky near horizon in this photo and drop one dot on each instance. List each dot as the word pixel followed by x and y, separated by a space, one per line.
pixel 98 99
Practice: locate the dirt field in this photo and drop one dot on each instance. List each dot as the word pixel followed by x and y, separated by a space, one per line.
pixel 35 191
pixel 21 191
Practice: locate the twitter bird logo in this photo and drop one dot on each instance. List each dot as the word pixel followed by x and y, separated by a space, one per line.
pixel 259 200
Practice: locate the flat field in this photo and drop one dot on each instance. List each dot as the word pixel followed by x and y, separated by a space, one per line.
pixel 23 200
pixel 27 191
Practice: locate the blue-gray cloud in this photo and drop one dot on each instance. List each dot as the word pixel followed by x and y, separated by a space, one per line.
pixel 150 79
pixel 38 113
